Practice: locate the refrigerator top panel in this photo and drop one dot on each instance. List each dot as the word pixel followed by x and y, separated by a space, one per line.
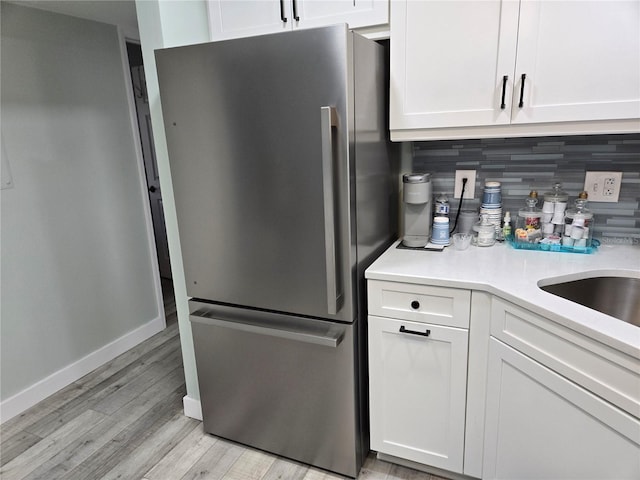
pixel 258 132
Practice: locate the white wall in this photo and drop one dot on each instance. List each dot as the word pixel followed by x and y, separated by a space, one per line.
pixel 170 23
pixel 78 278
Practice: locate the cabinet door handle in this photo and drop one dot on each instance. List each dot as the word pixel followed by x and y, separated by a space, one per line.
pixel 522 79
pixel 415 305
pixel 282 17
pixel 414 332
pixel 504 91
pixel 295 11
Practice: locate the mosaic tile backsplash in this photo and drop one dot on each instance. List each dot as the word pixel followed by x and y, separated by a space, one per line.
pixel 525 164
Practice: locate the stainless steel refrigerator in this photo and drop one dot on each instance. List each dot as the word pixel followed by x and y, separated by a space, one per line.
pixel 284 193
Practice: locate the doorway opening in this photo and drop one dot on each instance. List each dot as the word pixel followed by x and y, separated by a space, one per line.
pixel 141 98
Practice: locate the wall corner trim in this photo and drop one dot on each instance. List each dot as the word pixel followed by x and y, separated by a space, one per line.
pixel 192 407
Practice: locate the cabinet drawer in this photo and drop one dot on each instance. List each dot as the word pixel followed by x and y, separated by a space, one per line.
pixel 604 371
pixel 419 303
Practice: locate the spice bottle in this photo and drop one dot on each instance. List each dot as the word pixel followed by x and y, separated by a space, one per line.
pixel 506 226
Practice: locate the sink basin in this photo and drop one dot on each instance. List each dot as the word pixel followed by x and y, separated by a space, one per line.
pixel 615 296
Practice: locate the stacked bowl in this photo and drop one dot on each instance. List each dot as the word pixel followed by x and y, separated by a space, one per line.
pixel 492 203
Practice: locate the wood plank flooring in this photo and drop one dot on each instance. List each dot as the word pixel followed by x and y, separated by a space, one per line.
pixel 125 421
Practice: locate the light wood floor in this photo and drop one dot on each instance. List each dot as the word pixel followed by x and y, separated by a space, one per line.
pixel 125 421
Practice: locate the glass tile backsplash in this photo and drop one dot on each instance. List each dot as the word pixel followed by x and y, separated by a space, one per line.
pixel 525 164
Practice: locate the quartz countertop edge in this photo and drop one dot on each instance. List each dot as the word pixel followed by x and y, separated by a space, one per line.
pixel 515 275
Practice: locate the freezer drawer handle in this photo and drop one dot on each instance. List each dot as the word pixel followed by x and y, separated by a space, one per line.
pixel 414 332
pixel 329 122
pixel 331 339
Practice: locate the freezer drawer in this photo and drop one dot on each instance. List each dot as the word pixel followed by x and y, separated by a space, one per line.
pixel 280 383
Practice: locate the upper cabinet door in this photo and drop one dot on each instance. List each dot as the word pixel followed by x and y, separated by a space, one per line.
pixel 581 61
pixel 246 18
pixel 452 62
pixel 356 13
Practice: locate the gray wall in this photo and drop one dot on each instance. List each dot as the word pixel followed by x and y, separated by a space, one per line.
pixel 523 164
pixel 77 268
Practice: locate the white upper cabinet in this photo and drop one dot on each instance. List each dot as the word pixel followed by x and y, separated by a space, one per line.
pixel 581 61
pixel 465 68
pixel 244 18
pixel 233 19
pixel 448 61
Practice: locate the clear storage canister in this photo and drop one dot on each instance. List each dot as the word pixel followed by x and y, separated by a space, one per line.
pixel 578 224
pixel 529 221
pixel 485 232
pixel 553 209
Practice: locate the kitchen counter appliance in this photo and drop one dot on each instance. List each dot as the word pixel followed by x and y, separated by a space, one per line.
pixel 284 195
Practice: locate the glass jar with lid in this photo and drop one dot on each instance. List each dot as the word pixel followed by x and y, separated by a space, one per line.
pixel 529 221
pixel 553 208
pixel 578 224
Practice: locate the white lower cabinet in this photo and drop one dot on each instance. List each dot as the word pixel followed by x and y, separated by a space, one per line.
pixel 539 425
pixel 470 383
pixel 418 377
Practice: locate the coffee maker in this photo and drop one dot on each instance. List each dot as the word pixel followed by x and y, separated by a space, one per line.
pixel 416 197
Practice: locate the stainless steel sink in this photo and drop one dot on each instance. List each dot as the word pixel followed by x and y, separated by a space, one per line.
pixel 615 296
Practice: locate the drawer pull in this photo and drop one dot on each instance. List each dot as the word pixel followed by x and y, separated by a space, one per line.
pixel 415 305
pixel 414 332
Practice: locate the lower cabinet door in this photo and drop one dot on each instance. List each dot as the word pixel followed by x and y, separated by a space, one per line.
pixel 542 426
pixel 417 381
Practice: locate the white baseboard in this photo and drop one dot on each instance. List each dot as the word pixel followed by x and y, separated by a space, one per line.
pixel 40 390
pixel 192 407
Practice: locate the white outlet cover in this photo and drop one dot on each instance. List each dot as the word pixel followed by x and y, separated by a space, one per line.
pixel 470 188
pixel 603 186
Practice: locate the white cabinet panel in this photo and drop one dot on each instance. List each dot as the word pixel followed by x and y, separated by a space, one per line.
pixel 448 60
pixel 465 68
pixel 602 370
pixel 540 425
pixel 581 60
pixel 356 13
pixel 245 18
pixel 418 391
pixel 420 303
pixel 232 19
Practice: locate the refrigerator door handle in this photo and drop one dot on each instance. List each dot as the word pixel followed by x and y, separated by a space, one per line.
pixel 329 338
pixel 329 121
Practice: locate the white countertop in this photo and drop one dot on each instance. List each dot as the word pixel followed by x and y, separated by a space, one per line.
pixel 515 275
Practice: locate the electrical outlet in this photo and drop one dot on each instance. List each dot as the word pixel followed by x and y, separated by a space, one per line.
pixel 470 187
pixel 603 186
